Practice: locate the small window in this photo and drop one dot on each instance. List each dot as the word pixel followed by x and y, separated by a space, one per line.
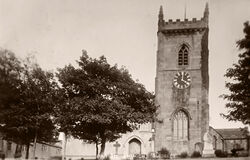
pixel 58 151
pixel 183 56
pixel 9 146
pixel 44 147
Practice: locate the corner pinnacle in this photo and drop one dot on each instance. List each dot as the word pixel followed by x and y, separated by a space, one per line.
pixel 160 14
pixel 161 18
pixel 206 12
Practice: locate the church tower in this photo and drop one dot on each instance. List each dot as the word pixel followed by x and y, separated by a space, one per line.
pixel 181 84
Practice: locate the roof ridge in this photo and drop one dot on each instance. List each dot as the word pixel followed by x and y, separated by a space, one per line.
pixel 227 128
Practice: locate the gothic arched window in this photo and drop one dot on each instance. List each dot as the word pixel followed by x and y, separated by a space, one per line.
pixel 180 126
pixel 183 55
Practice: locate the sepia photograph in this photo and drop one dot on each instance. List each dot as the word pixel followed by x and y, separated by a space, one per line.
pixel 124 79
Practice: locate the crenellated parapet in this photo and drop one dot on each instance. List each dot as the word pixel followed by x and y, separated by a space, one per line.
pixel 182 26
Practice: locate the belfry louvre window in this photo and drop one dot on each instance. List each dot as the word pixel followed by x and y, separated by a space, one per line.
pixel 180 126
pixel 183 55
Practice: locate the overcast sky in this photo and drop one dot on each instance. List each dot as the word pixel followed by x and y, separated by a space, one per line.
pixel 56 31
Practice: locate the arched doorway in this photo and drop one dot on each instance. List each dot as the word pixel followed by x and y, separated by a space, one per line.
pixel 134 146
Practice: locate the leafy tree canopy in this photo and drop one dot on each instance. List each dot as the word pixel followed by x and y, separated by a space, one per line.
pixel 101 101
pixel 239 86
pixel 10 72
pixel 26 100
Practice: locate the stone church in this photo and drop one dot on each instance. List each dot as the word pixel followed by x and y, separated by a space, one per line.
pixel 181 88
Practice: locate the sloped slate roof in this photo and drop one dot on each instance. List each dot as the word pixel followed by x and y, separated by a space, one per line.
pixel 233 133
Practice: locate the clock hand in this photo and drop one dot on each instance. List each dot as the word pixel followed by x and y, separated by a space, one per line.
pixel 184 81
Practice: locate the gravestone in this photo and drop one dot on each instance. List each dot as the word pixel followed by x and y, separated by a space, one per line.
pixel 208 150
pixel 116 145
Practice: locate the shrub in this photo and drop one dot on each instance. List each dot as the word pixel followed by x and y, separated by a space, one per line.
pixel 55 158
pixel 235 151
pixel 196 154
pixel 150 155
pixel 164 153
pixel 2 155
pixel 140 157
pixel 17 155
pixel 220 153
pixel 106 157
pixel 183 155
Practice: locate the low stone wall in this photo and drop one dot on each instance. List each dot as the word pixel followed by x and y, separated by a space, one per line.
pixel 214 158
pixel 23 159
pixel 227 158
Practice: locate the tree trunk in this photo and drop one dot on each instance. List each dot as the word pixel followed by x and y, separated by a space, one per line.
pixel 65 147
pixel 34 149
pixel 96 150
pixel 27 150
pixel 18 151
pixel 103 142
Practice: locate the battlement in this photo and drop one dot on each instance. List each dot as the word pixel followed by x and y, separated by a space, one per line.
pixel 194 20
pixel 185 24
pixel 182 25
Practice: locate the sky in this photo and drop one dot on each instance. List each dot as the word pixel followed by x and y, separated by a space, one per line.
pixel 125 32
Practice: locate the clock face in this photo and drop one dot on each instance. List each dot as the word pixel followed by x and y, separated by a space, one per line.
pixel 182 80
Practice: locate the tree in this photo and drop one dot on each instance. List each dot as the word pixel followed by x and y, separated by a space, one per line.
pixel 26 116
pixel 10 73
pixel 239 86
pixel 101 101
